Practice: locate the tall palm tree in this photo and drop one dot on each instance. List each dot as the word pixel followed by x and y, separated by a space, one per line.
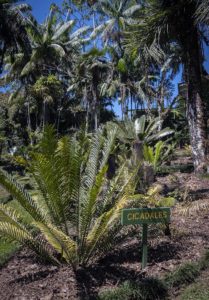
pixel 165 23
pixel 117 15
pixel 48 44
pixel 54 45
pixel 13 34
pixel 90 72
pixel 51 43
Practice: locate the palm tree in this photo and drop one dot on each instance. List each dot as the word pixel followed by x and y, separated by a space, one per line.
pixel 117 15
pixel 166 23
pixel 90 71
pixel 13 34
pixel 48 45
pixel 54 45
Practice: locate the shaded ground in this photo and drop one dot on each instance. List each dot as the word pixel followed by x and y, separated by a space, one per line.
pixel 199 290
pixel 24 278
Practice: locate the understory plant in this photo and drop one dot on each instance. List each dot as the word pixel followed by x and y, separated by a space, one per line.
pixel 75 214
pixel 158 154
pixel 144 130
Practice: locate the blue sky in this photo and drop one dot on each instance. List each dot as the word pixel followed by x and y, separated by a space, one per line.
pixel 41 9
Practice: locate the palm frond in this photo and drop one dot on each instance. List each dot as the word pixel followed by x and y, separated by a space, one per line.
pixel 62 29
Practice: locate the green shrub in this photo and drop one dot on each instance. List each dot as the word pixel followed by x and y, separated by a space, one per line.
pixel 76 211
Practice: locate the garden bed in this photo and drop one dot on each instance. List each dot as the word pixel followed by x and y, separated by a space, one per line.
pixel 25 278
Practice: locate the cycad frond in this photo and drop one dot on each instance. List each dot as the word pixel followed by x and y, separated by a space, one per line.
pixel 23 236
pixel 59 241
pixel 69 164
pixel 45 175
pixel 22 196
pixel 93 160
pixel 89 205
pixel 109 144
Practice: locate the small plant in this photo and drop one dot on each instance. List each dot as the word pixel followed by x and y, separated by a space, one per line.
pixel 158 154
pixel 144 130
pixel 153 198
pixel 187 150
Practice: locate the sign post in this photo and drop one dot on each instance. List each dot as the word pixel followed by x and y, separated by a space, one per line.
pixel 145 216
pixel 144 245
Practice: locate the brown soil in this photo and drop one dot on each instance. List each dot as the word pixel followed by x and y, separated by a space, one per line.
pixel 25 278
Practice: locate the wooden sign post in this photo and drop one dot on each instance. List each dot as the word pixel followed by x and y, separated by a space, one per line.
pixel 145 216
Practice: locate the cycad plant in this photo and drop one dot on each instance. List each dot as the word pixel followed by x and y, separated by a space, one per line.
pixel 144 130
pixel 158 154
pixel 75 214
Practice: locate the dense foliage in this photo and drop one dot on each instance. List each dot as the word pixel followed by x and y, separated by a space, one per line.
pixel 69 164
pixel 87 55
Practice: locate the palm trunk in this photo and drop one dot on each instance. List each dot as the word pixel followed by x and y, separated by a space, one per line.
pixel 95 94
pixel 160 101
pixel 95 108
pixel 29 124
pixel 195 105
pixel 44 114
pixel 58 120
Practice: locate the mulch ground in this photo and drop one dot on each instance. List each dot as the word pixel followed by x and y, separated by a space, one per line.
pixel 25 278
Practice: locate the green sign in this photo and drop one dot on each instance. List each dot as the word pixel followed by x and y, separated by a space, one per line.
pixel 133 216
pixel 145 216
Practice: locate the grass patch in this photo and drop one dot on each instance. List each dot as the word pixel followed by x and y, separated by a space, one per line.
pixel 152 289
pixel 7 250
pixel 187 273
pixel 183 275
pixel 200 289
pixel 196 291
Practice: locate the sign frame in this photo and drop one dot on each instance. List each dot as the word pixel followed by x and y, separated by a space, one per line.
pixel 135 216
pixel 144 217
